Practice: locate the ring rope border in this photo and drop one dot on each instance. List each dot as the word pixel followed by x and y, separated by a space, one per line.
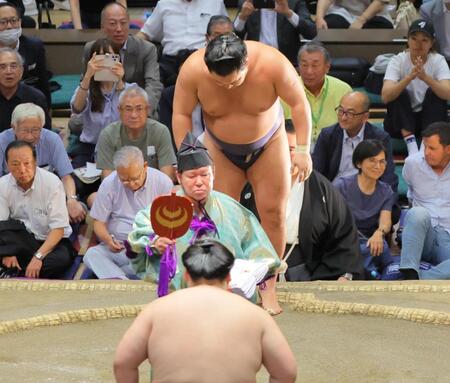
pixel 302 302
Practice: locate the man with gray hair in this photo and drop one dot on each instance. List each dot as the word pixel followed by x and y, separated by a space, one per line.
pixel 323 92
pixel 14 92
pixel 135 129
pixel 27 121
pixel 130 188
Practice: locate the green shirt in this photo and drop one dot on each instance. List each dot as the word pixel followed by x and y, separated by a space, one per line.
pixel 323 106
pixel 155 144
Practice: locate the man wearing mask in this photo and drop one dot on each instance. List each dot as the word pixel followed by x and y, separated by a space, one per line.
pixel 31 49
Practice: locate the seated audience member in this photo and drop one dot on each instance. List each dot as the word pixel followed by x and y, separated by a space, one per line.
pixel 217 26
pixel 27 122
pixel 353 14
pixel 426 233
pixel 139 57
pixel 135 129
pixel 230 319
pixel 281 27
pixel 321 240
pixel 323 92
pixel 96 102
pixel 87 13
pixel 416 86
pixel 437 12
pixel 13 91
pixel 122 194
pixel 333 152
pixel 34 240
pixel 26 21
pixel 370 201
pixel 30 48
pixel 179 25
pixel 215 214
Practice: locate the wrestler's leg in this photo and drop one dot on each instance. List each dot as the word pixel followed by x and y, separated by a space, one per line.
pixel 270 178
pixel 228 178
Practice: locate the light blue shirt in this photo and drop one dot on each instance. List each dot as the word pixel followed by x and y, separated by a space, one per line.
pixel 50 152
pixel 346 167
pixel 429 189
pixel 94 122
pixel 117 205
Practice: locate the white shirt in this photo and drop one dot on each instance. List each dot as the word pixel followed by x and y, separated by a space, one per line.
pixel 400 66
pixel 351 9
pixel 41 208
pixel 179 24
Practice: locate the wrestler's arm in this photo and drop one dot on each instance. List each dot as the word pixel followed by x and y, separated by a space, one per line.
pixel 132 349
pixel 289 88
pixel 185 100
pixel 277 356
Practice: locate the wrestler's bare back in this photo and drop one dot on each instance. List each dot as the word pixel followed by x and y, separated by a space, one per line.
pixel 205 334
pixel 247 112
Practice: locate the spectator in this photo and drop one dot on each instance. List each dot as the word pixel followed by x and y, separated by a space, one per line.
pixel 27 122
pixel 139 58
pixel 426 234
pixel 215 214
pixel 30 48
pixel 34 239
pixel 333 152
pixel 135 129
pixel 370 201
pixel 416 86
pixel 179 25
pixel 14 92
pixel 122 194
pixel 229 319
pixel 437 12
pixel 27 21
pixel 354 14
pixel 281 27
pixel 87 14
pixel 323 92
pixel 321 233
pixel 218 25
pixel 96 102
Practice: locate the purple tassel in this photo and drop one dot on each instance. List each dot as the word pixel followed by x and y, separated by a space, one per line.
pixel 167 270
pixel 128 252
pixel 201 227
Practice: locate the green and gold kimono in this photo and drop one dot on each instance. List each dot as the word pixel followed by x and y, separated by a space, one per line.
pixel 237 229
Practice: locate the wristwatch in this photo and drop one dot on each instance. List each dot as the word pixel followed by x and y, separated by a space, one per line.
pixel 39 255
pixel 348 276
pixel 75 197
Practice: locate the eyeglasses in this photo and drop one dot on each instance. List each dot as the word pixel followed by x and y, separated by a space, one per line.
pixel 13 21
pixel 11 66
pixel 342 112
pixel 34 132
pixel 132 180
pixel 137 109
pixel 373 162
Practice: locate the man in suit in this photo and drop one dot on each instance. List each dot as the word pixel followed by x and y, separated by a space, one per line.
pixel 30 48
pixel 139 57
pixel 281 27
pixel 333 152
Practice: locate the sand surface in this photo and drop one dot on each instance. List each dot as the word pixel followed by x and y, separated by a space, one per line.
pixel 329 348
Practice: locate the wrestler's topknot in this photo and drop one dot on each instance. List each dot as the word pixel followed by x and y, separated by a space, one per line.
pixel 225 54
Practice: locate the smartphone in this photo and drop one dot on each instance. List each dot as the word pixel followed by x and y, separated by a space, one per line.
pixel 269 4
pixel 109 59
